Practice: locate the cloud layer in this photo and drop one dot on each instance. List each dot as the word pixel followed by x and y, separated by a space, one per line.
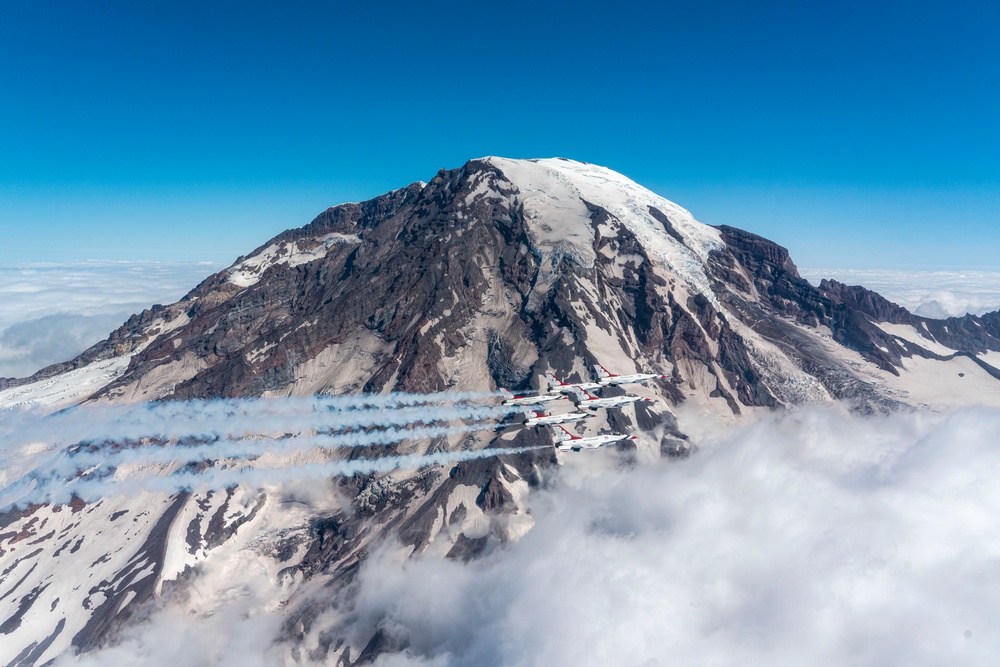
pixel 937 294
pixel 811 538
pixel 52 312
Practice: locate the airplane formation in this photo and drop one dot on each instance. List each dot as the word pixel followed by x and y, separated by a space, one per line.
pixel 579 394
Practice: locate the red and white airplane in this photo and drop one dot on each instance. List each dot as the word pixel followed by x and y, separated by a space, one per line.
pixel 608 379
pixel 527 399
pixel 555 384
pixel 542 419
pixel 566 441
pixel 590 402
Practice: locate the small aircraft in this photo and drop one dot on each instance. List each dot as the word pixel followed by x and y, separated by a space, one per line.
pixel 567 387
pixel 542 419
pixel 608 379
pixel 590 402
pixel 566 441
pixel 524 399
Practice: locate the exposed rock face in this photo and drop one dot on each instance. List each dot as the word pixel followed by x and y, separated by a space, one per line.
pixel 489 275
pixel 874 305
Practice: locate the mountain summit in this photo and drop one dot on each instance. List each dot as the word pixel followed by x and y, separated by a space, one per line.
pixel 494 273
pixel 491 275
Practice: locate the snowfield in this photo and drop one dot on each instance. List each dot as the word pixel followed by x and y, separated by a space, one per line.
pixel 555 192
pixel 62 391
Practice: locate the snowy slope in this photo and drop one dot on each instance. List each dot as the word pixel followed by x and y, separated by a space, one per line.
pixel 62 391
pixel 556 191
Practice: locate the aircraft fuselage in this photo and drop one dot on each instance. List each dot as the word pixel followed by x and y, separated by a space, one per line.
pixel 615 380
pixel 591 442
pixel 531 400
pixel 610 402
pixel 565 418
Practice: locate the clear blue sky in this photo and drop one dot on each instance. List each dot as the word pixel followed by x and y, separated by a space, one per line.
pixel 858 134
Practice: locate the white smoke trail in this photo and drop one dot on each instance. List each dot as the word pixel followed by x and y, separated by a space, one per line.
pixel 278 424
pixel 214 478
pixel 98 460
pixel 91 489
pixel 108 437
pixel 33 442
pixel 223 418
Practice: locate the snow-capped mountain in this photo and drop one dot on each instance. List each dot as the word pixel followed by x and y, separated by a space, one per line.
pixel 488 276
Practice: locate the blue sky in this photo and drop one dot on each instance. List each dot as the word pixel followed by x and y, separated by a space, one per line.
pixel 858 134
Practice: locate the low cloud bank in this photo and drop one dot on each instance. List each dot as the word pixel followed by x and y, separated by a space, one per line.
pixel 936 294
pixel 27 347
pixel 813 538
pixel 52 312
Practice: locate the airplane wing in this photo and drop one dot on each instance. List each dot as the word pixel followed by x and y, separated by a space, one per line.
pixel 589 445
pixel 580 445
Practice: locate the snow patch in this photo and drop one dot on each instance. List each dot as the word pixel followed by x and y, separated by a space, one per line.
pixel 910 335
pixel 475 524
pixel 65 389
pixel 292 253
pixel 952 384
pixel 992 358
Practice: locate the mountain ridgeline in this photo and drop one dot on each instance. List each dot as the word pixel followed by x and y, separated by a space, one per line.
pixel 467 282
pixel 490 275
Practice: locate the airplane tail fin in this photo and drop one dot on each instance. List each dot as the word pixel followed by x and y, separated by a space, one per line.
pixel 602 372
pixel 562 435
pixel 505 392
pixel 553 380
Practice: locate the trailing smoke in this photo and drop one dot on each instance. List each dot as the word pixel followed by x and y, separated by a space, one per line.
pixel 217 478
pixel 223 418
pixel 90 452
